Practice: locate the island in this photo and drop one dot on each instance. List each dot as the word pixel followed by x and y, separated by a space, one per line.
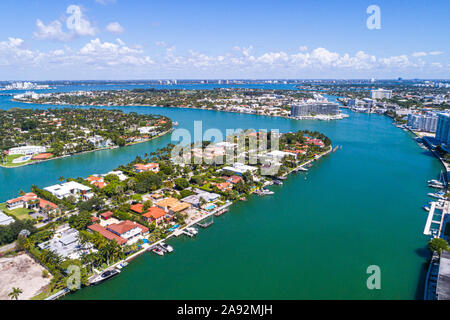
pixel 95 225
pixel 269 102
pixel 28 136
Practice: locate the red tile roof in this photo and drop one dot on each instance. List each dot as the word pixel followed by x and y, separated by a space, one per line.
pixel 155 213
pixel 136 207
pixel 235 179
pixel 107 234
pixel 44 203
pixel 26 197
pixel 125 226
pixel 107 215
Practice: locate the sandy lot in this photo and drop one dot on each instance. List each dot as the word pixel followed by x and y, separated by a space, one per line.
pixel 21 272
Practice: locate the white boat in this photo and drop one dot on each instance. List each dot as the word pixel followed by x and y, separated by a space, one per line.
pixel 426 208
pixel 105 276
pixel 122 265
pixel 166 247
pixel 435 195
pixel 192 230
pixel 158 251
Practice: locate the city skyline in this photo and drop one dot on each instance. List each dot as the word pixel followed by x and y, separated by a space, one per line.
pixel 112 39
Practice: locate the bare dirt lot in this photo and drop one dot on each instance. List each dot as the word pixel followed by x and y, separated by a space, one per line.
pixel 21 272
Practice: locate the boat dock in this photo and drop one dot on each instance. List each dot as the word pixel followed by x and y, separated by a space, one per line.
pixel 221 212
pixel 205 224
pixel 434 205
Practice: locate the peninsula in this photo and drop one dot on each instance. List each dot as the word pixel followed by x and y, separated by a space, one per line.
pixel 101 222
pixel 28 136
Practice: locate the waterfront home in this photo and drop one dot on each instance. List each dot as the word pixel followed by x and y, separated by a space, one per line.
pixel 153 167
pixel 234 179
pixel 278 155
pixel 128 229
pixel 119 174
pixel 70 188
pixel 172 205
pixel 155 214
pixel 123 232
pixel 5 219
pixel 97 181
pixel 107 234
pixel 20 202
pixel 240 168
pixel 196 199
pixel 316 142
pixel 223 186
pixel 99 142
pixel 27 150
pixel 147 130
pixel 65 243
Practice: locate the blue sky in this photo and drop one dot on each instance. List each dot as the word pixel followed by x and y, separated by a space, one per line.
pixel 133 39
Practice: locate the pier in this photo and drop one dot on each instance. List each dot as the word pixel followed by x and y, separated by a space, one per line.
pixel 434 205
pixel 205 224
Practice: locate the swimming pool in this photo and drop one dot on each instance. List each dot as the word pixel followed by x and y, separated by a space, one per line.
pixel 210 207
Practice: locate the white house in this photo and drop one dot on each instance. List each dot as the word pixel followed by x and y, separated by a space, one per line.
pixel 240 168
pixel 27 150
pixel 67 189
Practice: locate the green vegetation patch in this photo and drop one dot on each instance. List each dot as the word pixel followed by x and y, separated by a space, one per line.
pixel 19 213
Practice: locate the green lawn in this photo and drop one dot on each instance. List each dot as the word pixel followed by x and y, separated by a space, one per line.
pixel 19 213
pixel 8 161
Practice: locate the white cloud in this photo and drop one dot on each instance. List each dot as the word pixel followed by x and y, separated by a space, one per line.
pixel 110 54
pixel 303 48
pixel 115 27
pixel 419 54
pixel 97 57
pixel 77 22
pixel 435 53
pixel 52 31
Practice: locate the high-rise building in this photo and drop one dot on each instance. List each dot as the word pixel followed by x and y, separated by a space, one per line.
pixel 442 130
pixel 420 122
pixel 312 108
pixel 381 94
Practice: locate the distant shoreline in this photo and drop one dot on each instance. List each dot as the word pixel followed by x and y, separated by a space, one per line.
pixel 83 152
pixel 320 117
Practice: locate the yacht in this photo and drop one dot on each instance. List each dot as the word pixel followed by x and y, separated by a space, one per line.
pixel 436 195
pixel 105 276
pixel 166 247
pixel 192 230
pixel 158 251
pixel 426 208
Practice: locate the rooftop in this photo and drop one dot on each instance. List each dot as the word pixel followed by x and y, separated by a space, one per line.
pixel 443 282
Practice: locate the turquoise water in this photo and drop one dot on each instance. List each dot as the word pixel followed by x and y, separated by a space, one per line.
pixel 313 239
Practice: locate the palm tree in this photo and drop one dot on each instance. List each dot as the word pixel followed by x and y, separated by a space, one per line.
pixel 61 179
pixel 14 294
